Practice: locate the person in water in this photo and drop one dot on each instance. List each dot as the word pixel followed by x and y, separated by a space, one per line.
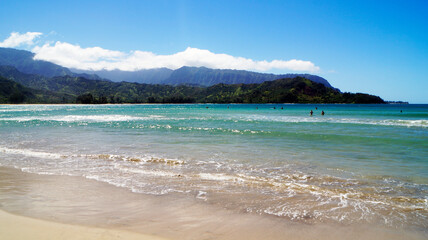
pixel 311 112
pixel 322 113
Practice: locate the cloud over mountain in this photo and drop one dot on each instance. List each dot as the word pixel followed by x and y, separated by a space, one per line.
pixel 97 58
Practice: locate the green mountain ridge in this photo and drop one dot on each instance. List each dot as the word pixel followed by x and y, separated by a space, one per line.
pixel 13 92
pixel 208 77
pixel 195 76
pixel 70 89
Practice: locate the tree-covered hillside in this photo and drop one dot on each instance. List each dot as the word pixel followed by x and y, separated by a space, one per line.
pixel 13 92
pixel 208 77
pixel 69 89
pixel 287 90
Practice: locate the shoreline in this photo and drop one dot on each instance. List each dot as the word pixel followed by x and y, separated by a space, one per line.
pixel 95 208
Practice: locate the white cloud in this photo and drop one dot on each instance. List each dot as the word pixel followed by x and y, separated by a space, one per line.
pixel 73 56
pixel 17 39
pixel 96 58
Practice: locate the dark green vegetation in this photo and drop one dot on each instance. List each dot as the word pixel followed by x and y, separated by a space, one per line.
pixel 30 88
pixel 13 92
pixel 208 77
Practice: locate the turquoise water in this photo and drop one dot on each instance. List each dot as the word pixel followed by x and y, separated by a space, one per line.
pixel 357 163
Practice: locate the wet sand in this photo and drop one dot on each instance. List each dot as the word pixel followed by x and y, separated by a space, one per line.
pixel 99 208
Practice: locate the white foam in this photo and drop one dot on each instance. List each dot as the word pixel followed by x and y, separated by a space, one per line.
pixel 31 108
pixel 301 119
pixel 202 195
pixel 81 118
pixel 147 172
pixel 31 153
pixel 220 177
pixel 386 122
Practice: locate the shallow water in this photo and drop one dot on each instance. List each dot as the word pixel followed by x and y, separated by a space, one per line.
pixel 76 200
pixel 356 164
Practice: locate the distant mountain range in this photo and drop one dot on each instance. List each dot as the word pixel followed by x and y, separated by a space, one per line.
pixel 193 76
pixel 24 62
pixel 25 80
pixel 18 87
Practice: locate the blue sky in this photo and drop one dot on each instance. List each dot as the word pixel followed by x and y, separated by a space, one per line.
pixel 377 47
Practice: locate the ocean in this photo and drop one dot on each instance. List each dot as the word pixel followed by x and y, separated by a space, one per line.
pixel 357 164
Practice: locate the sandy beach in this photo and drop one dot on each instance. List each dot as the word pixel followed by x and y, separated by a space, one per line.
pixel 17 227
